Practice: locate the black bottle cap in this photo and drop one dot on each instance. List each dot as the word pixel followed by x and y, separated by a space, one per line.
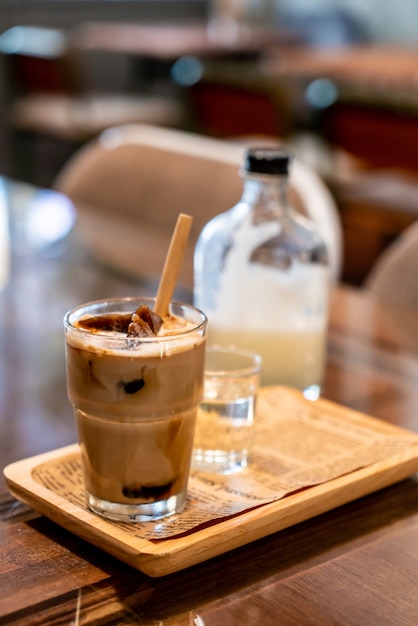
pixel 267 161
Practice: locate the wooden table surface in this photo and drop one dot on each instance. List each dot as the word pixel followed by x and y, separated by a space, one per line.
pixel 356 565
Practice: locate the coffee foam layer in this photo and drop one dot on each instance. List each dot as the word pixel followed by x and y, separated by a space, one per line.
pixel 175 335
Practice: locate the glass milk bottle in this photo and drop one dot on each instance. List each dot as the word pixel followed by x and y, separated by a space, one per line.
pixel 262 277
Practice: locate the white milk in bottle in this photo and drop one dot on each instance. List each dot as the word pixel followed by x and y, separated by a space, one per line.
pixel 262 277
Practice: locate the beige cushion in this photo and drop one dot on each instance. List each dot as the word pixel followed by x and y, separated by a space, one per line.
pixel 394 276
pixel 130 185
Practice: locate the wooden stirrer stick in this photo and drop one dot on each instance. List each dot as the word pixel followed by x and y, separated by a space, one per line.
pixel 172 264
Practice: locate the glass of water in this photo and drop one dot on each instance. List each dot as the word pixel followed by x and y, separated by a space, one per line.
pixel 225 420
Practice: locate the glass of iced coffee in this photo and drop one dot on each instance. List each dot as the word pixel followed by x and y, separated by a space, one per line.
pixel 135 381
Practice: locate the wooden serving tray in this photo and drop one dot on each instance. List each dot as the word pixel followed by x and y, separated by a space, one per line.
pixel 165 556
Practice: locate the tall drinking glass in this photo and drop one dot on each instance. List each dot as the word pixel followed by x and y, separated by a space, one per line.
pixel 135 401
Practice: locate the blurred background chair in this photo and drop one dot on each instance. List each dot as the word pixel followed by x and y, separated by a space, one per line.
pixel 129 185
pixel 49 94
pixel 393 277
pixel 231 97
